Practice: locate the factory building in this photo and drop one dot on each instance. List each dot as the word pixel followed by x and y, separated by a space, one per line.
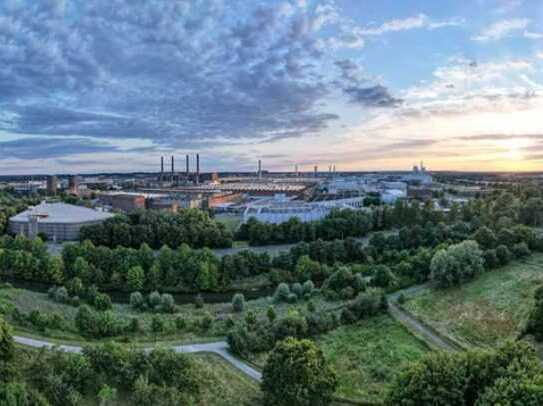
pixel 280 210
pixel 59 221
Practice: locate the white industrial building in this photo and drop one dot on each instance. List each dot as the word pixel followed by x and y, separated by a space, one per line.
pixel 279 211
pixel 59 221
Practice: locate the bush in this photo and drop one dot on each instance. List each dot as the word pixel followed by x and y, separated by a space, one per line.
pixel 206 321
pixel 180 323
pixel 308 288
pixel 290 326
pixel 154 300
pixel 137 301
pixel 250 318
pixel 297 289
pixel 521 250
pixel 311 306
pixel 157 324
pixel 491 259
pixel 199 301
pixel 167 303
pixel 296 374
pixel 270 314
pixel 102 302
pixel 61 295
pixel 503 254
pixel 134 325
pixel 238 302
pixel 282 293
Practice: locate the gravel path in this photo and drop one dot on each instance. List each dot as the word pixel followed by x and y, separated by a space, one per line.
pixel 220 348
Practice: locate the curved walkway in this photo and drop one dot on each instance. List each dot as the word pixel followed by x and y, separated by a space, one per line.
pixel 220 348
pixel 424 331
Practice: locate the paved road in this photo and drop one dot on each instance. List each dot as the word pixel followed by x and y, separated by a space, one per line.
pixel 220 348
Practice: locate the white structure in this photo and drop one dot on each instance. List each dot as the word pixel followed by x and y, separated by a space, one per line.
pixel 280 211
pixel 59 221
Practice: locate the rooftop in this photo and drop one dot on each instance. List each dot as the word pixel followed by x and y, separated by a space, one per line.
pixel 61 213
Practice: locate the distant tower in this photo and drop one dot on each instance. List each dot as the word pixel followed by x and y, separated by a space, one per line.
pixel 259 169
pixel 296 170
pixel 188 166
pixel 197 169
pixel 52 182
pixel 73 185
pixel 334 169
pixel 161 168
pixel 315 170
pixel 173 170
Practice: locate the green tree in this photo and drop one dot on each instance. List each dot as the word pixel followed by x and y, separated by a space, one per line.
pixel 296 374
pixel 457 264
pixel 135 278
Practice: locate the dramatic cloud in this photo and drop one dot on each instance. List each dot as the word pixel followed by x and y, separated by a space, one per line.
pixel 502 29
pixel 374 96
pixel 51 147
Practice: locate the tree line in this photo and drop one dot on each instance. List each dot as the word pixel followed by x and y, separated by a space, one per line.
pixel 157 228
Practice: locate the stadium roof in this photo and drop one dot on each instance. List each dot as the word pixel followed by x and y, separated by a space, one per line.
pixel 61 213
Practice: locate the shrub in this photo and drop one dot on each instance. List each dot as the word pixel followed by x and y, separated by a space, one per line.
pixel 250 318
pixel 61 295
pixel 199 301
pixel 310 306
pixel 292 298
pixel 296 374
pixel 290 326
pixel 521 250
pixel 167 303
pixel 134 325
pixel 491 259
pixel 102 301
pixel 206 321
pixel 270 314
pixel 137 301
pixel 297 289
pixel 180 323
pixel 157 324
pixel 154 300
pixel 238 302
pixel 503 254
pixel 308 287
pixel 282 293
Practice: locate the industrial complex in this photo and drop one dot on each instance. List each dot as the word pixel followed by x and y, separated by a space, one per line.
pixel 269 197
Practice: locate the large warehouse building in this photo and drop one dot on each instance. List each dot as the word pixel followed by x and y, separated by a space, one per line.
pixel 59 221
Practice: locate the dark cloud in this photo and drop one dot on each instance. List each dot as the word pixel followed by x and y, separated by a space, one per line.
pixel 373 96
pixel 49 147
pixel 176 73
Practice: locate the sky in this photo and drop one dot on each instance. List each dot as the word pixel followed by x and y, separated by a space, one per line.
pixel 113 85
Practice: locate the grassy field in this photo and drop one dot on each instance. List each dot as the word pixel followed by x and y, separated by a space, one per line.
pixel 224 385
pixel 230 221
pixel 26 301
pixel 366 356
pixel 485 311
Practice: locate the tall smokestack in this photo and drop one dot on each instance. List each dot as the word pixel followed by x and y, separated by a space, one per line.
pixel 161 168
pixel 173 169
pixel 315 170
pixel 188 167
pixel 296 169
pixel 197 168
pixel 259 169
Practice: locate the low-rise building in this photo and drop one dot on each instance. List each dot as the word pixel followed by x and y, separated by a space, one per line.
pixel 58 221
